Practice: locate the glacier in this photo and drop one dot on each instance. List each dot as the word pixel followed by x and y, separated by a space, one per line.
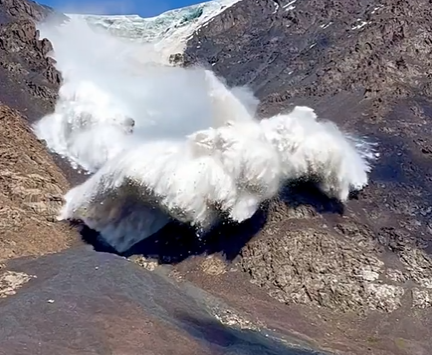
pixel 168 31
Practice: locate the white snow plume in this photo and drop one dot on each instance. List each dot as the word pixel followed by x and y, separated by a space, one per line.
pixel 109 85
pixel 194 151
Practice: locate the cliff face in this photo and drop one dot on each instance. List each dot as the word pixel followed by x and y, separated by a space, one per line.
pixel 28 80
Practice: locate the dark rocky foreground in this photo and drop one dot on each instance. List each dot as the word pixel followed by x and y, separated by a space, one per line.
pixel 353 279
pixel 83 302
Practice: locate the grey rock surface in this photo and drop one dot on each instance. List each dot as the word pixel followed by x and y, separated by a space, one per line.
pixel 83 302
pixel 11 10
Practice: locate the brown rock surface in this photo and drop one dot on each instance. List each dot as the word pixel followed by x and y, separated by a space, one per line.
pixel 31 191
pixel 32 184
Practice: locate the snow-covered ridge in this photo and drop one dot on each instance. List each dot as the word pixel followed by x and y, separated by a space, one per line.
pixel 170 30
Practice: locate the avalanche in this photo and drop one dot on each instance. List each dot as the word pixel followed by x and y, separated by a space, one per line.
pixel 171 143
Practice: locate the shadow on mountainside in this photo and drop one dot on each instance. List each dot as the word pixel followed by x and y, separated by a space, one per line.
pixel 236 341
pixel 176 242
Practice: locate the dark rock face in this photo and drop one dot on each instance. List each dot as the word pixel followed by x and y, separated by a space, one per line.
pixel 291 50
pixel 83 302
pixel 365 65
pixel 29 80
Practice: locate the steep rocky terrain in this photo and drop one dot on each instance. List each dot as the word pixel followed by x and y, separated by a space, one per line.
pixel 28 79
pixel 352 280
pixel 365 65
pixel 32 184
pixel 31 190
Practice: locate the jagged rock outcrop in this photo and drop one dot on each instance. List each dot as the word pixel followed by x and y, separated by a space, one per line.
pixel 11 10
pixel 29 80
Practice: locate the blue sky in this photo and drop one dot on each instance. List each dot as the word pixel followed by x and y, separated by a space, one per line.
pixel 144 8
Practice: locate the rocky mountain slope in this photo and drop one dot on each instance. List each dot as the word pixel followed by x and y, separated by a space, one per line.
pixel 365 65
pixel 352 280
pixel 32 184
pixel 29 81
pixel 31 191
pixel 362 64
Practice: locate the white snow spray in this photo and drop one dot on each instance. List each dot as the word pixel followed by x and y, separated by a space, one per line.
pixel 167 143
